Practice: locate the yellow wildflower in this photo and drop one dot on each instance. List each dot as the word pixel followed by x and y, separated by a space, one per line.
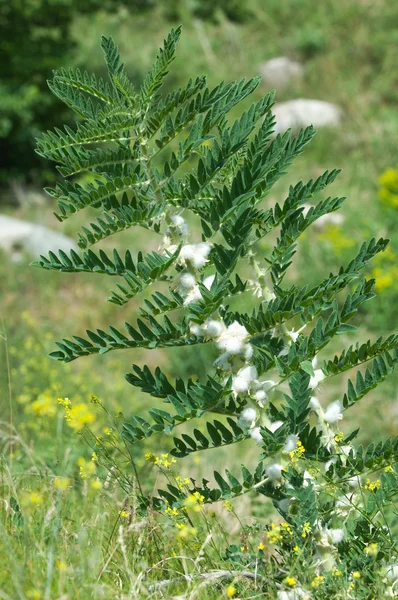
pixel 297 452
pixel 77 415
pixel 389 469
pixel 231 591
pixel 96 484
pixel 182 483
pixel 43 406
pixel 33 498
pixel 339 437
pixel 61 483
pixel 372 485
pixel 306 530
pixel 173 512
pixel 274 536
pixel 194 501
pixel 356 575
pixel 124 514
pixel 163 461
pixel 372 549
pixel 337 573
pixel 34 594
pixel 86 467
pixel 261 546
pixel 228 505
pixel 186 532
pixel 290 581
pixel 61 565
pixel 317 581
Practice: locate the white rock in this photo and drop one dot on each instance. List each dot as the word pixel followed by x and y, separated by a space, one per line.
pixel 302 112
pixel 17 237
pixel 280 71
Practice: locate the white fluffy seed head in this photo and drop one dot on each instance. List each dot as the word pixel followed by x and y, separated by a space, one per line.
pixel 248 373
pixel 335 536
pixel 260 396
pixel 274 471
pixel 317 378
pixel 255 434
pixel 290 443
pixel 194 295
pixel 315 405
pixel 247 351
pixel 195 329
pixel 247 418
pixel 240 385
pixel 333 412
pixel 177 220
pixel 187 281
pixel 214 328
pixel 237 330
pixel 231 345
pixel 195 254
pixel 232 338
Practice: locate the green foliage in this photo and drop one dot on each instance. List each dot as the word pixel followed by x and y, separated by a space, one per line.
pixel 232 166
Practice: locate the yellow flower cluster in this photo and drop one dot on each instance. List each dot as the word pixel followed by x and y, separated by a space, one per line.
pixel 77 415
pixel 43 406
pixel 185 531
pixel 61 483
pixel 385 270
pixel 372 549
pixel 290 581
pixel 297 452
pixel 182 483
pixel 86 467
pixel 160 461
pixel 306 530
pixel 279 533
pixel 31 499
pixel 372 485
pixel 388 191
pixel 317 581
pixel 173 512
pixel 227 504
pixel 194 501
pixel 339 437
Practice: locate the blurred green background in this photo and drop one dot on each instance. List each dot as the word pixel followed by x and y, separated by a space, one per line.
pixel 347 54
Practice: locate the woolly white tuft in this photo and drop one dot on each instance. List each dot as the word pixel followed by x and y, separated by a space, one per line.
pixel 333 412
pixel 274 471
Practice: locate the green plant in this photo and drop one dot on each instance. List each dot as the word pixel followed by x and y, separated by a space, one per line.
pixel 136 145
